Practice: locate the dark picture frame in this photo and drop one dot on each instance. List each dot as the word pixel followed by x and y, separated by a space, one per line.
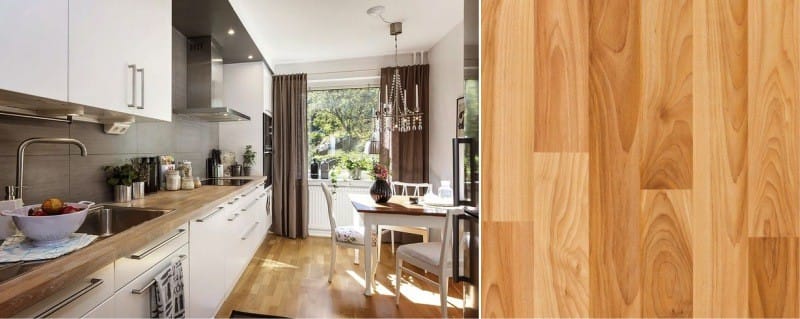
pixel 461 114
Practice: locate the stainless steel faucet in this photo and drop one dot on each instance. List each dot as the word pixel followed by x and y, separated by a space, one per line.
pixel 14 192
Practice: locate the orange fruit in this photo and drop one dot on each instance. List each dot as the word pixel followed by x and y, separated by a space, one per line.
pixel 52 206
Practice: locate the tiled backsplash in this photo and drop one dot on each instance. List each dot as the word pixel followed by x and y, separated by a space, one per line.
pixel 60 171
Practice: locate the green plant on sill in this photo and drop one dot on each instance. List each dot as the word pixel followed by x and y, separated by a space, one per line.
pixel 120 175
pixel 141 170
pixel 249 157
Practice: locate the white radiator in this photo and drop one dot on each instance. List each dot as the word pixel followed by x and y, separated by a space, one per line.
pixel 344 212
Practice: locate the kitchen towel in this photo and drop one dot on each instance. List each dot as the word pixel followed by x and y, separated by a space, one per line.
pixel 166 301
pixel 18 248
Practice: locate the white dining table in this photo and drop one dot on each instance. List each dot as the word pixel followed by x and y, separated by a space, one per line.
pixel 398 211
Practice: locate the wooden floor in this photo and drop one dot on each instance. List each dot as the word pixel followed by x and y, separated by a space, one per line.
pixel 290 278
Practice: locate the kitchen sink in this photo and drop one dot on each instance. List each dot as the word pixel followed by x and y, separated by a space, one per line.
pixel 120 218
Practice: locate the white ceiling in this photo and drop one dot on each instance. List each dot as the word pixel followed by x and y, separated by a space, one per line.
pixel 290 31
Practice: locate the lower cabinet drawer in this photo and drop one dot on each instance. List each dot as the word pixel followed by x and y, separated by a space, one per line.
pixel 77 299
pixel 127 268
pixel 104 310
pixel 133 300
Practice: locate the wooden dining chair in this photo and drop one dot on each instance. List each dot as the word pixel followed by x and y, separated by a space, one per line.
pixel 406 189
pixel 350 236
pixel 433 257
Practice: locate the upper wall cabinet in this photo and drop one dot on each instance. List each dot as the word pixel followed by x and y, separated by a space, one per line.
pixel 34 38
pixel 120 56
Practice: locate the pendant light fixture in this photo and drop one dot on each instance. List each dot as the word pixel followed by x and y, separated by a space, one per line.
pixel 394 114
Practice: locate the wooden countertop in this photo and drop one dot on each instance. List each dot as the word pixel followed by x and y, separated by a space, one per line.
pixel 25 290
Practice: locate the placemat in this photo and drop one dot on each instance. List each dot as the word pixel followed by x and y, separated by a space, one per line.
pixel 19 248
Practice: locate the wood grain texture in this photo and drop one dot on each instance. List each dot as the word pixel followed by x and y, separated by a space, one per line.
pixel 773 288
pixel 719 206
pixel 507 99
pixel 561 235
pixel 666 123
pixel 562 58
pixel 507 287
pixel 666 254
pixel 773 70
pixel 614 105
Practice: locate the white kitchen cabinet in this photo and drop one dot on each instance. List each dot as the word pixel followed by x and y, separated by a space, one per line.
pixel 133 300
pixel 33 60
pixel 207 248
pixel 76 299
pixel 120 56
pixel 239 223
pixel 129 267
pixel 104 310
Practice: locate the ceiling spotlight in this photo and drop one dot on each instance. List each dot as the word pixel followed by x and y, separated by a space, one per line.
pixel 231 31
pixel 250 57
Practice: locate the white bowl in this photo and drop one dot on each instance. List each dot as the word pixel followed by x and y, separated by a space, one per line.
pixel 48 230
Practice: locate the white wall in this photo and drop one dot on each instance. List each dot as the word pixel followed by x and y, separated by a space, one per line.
pixel 246 90
pixel 446 85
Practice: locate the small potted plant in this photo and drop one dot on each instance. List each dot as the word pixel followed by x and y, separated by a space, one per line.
pixel 380 191
pixel 121 178
pixel 249 160
pixel 140 169
pixel 353 165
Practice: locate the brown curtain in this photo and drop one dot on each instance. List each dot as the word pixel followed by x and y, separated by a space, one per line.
pixel 406 153
pixel 290 151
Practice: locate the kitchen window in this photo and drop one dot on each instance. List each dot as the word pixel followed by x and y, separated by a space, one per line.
pixel 340 127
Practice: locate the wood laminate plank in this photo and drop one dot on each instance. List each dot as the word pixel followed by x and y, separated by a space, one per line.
pixel 507 99
pixel 561 76
pixel 773 287
pixel 773 118
pixel 507 274
pixel 561 244
pixel 719 206
pixel 666 254
pixel 614 106
pixel 666 123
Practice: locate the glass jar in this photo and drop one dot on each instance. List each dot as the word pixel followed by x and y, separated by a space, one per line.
pixel 185 168
pixel 445 191
pixel 187 183
pixel 173 178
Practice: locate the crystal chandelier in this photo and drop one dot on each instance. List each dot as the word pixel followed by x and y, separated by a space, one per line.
pixel 394 114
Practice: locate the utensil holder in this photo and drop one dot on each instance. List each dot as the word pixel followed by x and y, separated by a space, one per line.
pixel 138 190
pixel 122 193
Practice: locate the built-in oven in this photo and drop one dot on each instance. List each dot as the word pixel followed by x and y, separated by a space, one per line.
pixel 466 258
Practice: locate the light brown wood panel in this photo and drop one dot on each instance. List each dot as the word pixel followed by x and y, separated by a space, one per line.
pixel 719 210
pixel 693 137
pixel 666 123
pixel 614 105
pixel 507 287
pixel 507 99
pixel 561 235
pixel 666 254
pixel 773 288
pixel 560 73
pixel 773 88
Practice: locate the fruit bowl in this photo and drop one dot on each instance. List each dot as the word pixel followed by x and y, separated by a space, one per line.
pixel 51 229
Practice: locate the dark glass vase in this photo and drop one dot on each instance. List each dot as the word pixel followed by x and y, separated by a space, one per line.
pixel 381 191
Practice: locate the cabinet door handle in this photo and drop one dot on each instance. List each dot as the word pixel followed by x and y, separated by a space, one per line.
pixel 235 216
pixel 250 205
pixel 250 192
pixel 133 85
pixel 151 282
pixel 204 218
pixel 262 195
pixel 235 199
pixel 247 234
pixel 150 250
pixel 93 283
pixel 141 100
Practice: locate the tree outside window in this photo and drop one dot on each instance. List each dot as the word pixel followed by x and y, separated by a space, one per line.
pixel 340 124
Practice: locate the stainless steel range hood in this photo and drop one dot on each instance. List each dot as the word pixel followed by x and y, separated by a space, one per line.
pixel 204 84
